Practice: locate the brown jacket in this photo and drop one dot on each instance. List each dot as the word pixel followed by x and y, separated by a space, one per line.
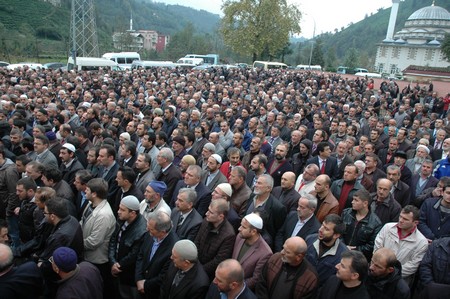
pixel 330 205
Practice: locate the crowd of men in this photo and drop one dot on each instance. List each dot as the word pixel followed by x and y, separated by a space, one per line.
pixel 222 184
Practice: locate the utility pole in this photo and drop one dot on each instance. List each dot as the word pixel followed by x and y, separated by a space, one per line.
pixel 83 29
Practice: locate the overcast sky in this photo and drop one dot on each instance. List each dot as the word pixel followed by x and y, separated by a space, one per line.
pixel 327 14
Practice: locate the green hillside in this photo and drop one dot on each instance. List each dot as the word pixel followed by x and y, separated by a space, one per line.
pixel 34 28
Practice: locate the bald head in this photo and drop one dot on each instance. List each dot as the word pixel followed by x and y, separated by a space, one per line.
pixel 298 243
pixel 288 180
pixel 233 271
pixel 6 258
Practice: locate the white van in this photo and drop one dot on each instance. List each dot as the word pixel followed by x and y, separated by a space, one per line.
pixel 146 64
pixel 190 61
pixel 123 59
pixel 269 65
pixel 309 67
pixel 91 64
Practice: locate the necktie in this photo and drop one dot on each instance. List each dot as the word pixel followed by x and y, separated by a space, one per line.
pixel 436 144
pixel 105 172
pixel 138 177
pixel 178 277
pixel 180 221
pixel 322 169
pixel 301 185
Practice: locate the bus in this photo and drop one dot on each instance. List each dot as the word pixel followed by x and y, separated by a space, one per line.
pixel 212 59
pixel 123 59
pixel 91 64
pixel 269 65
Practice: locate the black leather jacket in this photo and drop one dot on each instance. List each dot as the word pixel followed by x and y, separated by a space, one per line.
pixel 363 235
pixel 130 243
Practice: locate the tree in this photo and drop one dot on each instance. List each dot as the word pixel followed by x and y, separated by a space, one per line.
pixel 252 27
pixel 445 46
pixel 351 59
pixel 317 55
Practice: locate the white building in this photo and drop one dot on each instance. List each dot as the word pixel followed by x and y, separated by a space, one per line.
pixel 418 43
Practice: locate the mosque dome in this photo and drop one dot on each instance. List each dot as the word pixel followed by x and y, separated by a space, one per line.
pixel 430 13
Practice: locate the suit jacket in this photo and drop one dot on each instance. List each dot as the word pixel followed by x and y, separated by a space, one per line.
pixel 331 167
pixel 47 159
pixel 79 208
pixel 68 173
pixel 170 176
pixel 310 227
pixel 197 147
pixel 203 197
pixel 218 179
pixel 432 182
pixel 402 193
pixel 193 285
pixel 289 199
pixel 436 154
pixel 189 228
pixel 253 260
pixel 129 163
pixel 347 160
pixel 153 271
pixel 276 214
pixel 278 172
pixel 412 165
pixel 382 155
pixel 143 180
pixel 110 178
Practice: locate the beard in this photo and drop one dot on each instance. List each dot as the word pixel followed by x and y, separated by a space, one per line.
pixel 279 157
pixel 418 160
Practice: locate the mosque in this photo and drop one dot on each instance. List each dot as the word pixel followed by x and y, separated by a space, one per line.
pixel 417 44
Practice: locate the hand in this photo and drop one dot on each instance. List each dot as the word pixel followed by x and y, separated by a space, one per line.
pixel 16 211
pixel 437 192
pixel 140 286
pixel 115 270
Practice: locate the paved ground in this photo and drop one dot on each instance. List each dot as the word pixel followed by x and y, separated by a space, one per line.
pixel 441 87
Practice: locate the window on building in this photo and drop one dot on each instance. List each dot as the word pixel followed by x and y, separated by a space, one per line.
pixel 396 52
pixel 383 51
pixel 393 69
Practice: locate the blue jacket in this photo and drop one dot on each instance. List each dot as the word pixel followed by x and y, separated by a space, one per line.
pixel 443 170
pixel 325 265
pixel 435 265
pixel 430 224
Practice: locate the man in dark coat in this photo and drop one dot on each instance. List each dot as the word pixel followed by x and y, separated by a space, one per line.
pixel 279 164
pixel 300 223
pixel 349 279
pixel 326 163
pixel 215 238
pixel 264 201
pixel 154 255
pixel 185 277
pixel 24 281
pixel 286 193
pixel 185 218
pixel 385 276
pixel 229 281
pixel 170 174
pixel 192 180
pixel 125 244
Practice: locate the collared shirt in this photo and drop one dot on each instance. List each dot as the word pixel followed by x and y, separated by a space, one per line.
pixel 225 295
pixel 211 177
pixel 164 169
pixel 68 164
pixel 299 225
pixel 253 205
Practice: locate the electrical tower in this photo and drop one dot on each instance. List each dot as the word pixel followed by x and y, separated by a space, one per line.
pixel 83 29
